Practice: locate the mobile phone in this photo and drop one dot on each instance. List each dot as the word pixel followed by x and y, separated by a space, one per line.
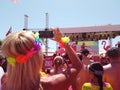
pixel 46 34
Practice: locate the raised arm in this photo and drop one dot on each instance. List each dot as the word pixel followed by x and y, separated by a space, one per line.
pixel 64 80
pixel 72 54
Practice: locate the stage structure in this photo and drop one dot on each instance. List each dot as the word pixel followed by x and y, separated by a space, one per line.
pixel 89 37
pixel 91 33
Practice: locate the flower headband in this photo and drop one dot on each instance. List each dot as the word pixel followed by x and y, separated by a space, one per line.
pixel 21 58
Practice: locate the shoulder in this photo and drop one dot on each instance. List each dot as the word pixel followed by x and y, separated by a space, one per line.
pixel 50 79
pixel 86 85
pixel 56 82
pixel 108 86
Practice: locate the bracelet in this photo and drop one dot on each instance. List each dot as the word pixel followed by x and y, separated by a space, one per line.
pixel 65 40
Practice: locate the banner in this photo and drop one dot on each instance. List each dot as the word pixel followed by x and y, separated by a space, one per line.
pixel 48 62
pixel 92 46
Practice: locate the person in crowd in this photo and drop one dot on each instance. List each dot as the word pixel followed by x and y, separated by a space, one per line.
pixel 83 74
pixel 67 60
pixel 96 75
pixel 3 62
pixel 59 65
pixel 80 56
pixel 24 55
pixel 83 46
pixel 86 57
pixel 63 80
pixel 112 71
pixel 118 44
pixel 1 74
pixel 1 68
pixel 103 59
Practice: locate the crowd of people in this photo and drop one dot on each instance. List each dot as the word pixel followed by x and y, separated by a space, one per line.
pixel 21 67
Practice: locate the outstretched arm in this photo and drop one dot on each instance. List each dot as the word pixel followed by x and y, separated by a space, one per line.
pixel 72 54
pixel 64 80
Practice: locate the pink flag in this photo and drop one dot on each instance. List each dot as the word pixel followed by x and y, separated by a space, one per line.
pixel 15 1
pixel 9 31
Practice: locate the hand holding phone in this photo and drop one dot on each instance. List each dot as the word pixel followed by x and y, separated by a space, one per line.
pixel 46 34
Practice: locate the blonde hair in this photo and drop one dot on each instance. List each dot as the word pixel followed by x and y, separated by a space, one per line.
pixel 58 60
pixel 24 76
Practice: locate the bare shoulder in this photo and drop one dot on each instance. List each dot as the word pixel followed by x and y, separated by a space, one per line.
pixel 57 78
pixel 112 68
pixel 112 73
pixel 59 81
pixel 54 82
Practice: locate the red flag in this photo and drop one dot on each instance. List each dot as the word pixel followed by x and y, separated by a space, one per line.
pixel 9 31
pixel 14 1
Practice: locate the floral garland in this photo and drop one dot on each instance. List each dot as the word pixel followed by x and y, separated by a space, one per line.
pixel 23 58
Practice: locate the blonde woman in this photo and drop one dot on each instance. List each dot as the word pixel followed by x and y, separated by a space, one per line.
pixel 24 55
pixel 25 59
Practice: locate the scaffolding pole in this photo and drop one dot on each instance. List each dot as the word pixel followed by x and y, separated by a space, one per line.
pixel 25 22
pixel 46 29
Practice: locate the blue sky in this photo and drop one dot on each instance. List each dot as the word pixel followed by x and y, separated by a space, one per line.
pixel 62 13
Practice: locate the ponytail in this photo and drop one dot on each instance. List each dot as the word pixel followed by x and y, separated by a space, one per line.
pixel 100 82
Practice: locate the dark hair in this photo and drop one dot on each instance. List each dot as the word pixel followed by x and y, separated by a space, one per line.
pixel 113 52
pixel 85 52
pixel 3 63
pixel 65 56
pixel 119 44
pixel 97 69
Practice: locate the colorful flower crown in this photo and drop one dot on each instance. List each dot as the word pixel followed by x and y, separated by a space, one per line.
pixel 21 58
